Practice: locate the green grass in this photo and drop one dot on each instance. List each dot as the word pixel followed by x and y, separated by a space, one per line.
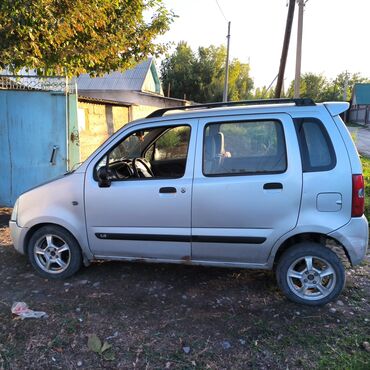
pixel 366 171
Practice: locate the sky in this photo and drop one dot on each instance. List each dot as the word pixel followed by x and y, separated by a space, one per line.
pixel 336 34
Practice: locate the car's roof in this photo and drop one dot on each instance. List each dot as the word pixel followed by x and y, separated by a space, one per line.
pixel 238 108
pixel 225 111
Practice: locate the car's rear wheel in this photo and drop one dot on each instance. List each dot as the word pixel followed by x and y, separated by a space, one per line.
pixel 54 252
pixel 310 273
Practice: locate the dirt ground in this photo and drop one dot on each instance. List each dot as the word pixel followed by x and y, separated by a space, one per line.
pixel 175 317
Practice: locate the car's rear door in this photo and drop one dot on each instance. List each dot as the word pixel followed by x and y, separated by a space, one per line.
pixel 247 187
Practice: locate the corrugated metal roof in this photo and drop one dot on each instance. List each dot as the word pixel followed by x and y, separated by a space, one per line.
pixel 132 79
pixel 361 94
pixel 89 99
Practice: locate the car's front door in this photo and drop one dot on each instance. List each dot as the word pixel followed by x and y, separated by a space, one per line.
pixel 147 217
pixel 247 187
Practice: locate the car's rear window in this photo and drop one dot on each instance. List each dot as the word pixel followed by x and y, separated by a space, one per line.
pixel 317 152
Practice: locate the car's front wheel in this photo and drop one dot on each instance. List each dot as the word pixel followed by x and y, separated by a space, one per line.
pixel 310 273
pixel 54 252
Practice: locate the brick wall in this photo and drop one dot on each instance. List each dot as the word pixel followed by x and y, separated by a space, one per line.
pixel 96 123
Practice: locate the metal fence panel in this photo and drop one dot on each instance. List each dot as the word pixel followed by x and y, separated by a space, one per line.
pixel 33 140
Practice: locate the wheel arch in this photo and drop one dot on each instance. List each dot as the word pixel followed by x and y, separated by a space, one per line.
pixel 320 238
pixel 38 226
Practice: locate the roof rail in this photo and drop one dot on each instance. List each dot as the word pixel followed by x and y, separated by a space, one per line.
pixel 298 102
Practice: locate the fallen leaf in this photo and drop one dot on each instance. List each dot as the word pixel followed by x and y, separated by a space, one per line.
pixel 108 356
pixel 105 347
pixel 94 343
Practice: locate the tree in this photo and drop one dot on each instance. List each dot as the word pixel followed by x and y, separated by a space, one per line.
pixel 263 93
pixel 177 72
pixel 200 76
pixel 312 86
pixel 319 88
pixel 344 81
pixel 240 83
pixel 79 36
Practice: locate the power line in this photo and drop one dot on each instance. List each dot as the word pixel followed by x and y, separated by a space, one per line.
pixel 219 7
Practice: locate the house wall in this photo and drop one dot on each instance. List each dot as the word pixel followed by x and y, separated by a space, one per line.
pixel 151 83
pixel 142 111
pixel 142 103
pixel 96 123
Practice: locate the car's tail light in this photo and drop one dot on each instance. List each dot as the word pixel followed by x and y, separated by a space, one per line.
pixel 358 196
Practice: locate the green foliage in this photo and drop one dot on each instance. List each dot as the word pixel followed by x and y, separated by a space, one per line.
pixel 174 143
pixel 169 140
pixel 343 81
pixel 319 88
pixel 79 36
pixel 312 86
pixel 95 345
pixel 251 139
pixel 263 93
pixel 200 76
pixel 178 72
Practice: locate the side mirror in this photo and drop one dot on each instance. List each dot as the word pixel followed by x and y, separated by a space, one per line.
pixel 104 180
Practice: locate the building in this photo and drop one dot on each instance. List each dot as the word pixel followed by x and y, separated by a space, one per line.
pixel 138 87
pixel 97 120
pixel 360 104
pixel 107 103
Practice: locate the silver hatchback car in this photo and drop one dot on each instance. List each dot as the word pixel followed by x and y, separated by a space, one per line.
pixel 264 184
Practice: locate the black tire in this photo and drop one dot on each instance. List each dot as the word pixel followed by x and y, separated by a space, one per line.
pixel 310 287
pixel 44 246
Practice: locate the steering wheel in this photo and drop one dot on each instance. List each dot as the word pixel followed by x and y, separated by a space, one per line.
pixel 142 166
pixel 124 170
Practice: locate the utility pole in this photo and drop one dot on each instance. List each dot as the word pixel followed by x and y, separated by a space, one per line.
pixel 345 87
pixel 284 53
pixel 297 79
pixel 226 85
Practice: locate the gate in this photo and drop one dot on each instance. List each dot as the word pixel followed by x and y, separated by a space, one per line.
pixel 38 132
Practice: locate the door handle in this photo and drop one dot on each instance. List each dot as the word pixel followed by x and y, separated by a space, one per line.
pixel 54 155
pixel 273 185
pixel 167 190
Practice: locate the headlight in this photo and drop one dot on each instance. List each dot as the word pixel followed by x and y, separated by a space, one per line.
pixel 15 211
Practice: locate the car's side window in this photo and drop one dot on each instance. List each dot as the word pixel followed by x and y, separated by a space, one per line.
pixel 158 152
pixel 173 144
pixel 246 147
pixel 316 148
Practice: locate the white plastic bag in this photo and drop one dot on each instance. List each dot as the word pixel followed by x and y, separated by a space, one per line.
pixel 21 309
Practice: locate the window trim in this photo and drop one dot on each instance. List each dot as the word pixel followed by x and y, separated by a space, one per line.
pixel 303 147
pixel 278 121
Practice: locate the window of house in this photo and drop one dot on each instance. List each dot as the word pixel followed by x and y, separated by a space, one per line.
pixel 247 147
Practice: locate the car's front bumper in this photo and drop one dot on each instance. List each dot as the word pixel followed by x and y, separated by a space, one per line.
pixel 18 234
pixel 354 236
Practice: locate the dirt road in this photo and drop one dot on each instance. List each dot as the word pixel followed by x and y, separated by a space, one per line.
pixel 361 136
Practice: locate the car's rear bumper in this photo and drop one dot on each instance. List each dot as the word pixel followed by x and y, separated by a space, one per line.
pixel 354 237
pixel 18 234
